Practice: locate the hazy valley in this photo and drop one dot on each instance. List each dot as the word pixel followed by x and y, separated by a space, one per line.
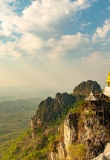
pixel 16 110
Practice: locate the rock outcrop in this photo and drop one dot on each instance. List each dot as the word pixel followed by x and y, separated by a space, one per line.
pixel 70 130
pixel 101 157
pixel 84 88
pixel 85 128
pixel 50 109
pixel 105 155
pixel 107 151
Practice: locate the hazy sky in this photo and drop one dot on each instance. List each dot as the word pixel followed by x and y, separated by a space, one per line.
pixel 54 44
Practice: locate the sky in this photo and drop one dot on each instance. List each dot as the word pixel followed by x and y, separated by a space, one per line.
pixel 54 44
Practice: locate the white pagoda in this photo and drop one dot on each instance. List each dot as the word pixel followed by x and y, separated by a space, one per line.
pixel 91 97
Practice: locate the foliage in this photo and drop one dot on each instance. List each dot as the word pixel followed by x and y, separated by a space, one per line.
pixel 15 119
pixel 74 110
pixel 77 107
pixel 26 149
pixel 77 151
pixel 15 149
pixel 89 113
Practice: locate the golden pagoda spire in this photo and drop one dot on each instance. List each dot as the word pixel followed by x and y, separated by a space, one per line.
pixel 108 80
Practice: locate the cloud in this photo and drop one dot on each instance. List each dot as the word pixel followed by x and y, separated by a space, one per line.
pixel 108 8
pixel 66 45
pixel 8 18
pixel 40 16
pixel 86 24
pixel 97 58
pixel 26 47
pixel 93 57
pixel 8 50
pixel 102 32
pixel 49 16
pixel 30 42
pixel 36 32
pixel 30 46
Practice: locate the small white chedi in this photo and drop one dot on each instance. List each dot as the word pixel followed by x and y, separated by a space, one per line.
pixel 107 88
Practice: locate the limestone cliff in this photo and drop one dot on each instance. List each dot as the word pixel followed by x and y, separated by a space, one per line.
pixel 84 88
pixel 84 126
pixel 50 109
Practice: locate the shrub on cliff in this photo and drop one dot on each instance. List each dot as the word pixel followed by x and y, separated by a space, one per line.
pixel 77 151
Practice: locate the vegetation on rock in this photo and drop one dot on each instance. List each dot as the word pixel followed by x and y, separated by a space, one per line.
pixel 84 88
pixel 77 151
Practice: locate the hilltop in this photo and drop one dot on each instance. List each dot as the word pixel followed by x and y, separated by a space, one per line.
pixel 84 88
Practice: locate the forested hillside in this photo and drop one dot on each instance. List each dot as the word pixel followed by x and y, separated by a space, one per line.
pixel 15 118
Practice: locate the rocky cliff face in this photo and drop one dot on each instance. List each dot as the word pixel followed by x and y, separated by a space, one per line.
pixel 84 128
pixel 50 109
pixel 84 88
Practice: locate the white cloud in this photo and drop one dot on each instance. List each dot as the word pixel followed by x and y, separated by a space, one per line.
pixel 108 8
pixel 38 24
pixel 8 50
pixel 49 15
pixel 30 42
pixel 30 46
pixel 8 18
pixel 66 44
pixel 38 20
pixel 97 58
pixel 102 32
pixel 86 24
pixel 40 16
pixel 27 46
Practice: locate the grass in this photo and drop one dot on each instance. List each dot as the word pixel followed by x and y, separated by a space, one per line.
pixel 77 151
